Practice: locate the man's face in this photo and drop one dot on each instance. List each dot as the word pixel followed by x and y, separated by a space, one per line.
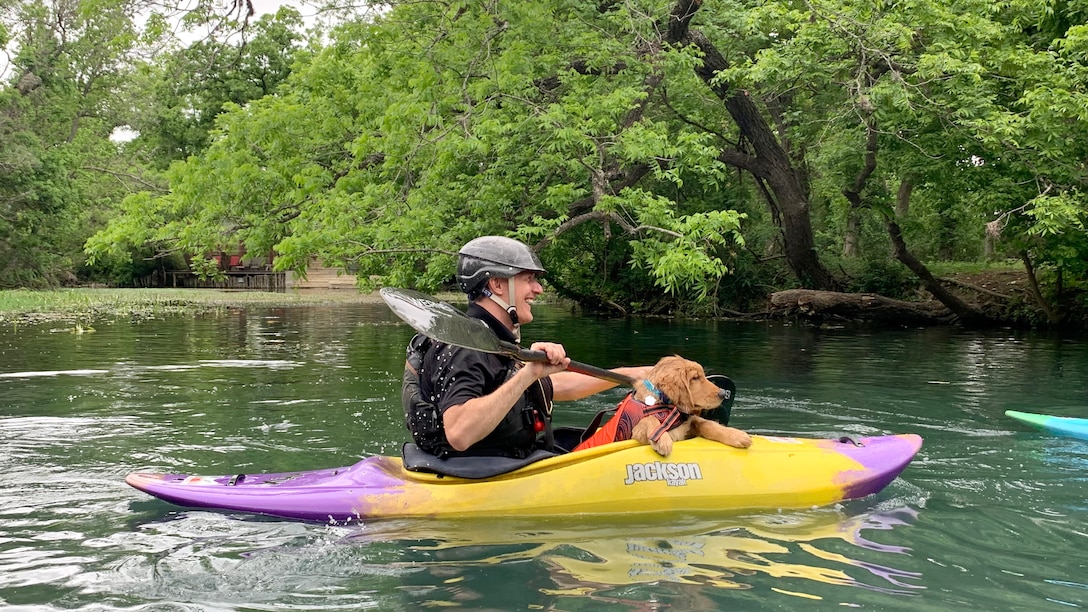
pixel 519 291
pixel 527 287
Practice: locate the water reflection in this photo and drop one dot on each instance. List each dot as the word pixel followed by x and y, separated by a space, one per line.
pixel 694 562
pixel 601 558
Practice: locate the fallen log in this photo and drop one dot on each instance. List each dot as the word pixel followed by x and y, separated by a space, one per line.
pixel 815 305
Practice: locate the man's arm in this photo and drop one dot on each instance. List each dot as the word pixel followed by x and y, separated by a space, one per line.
pixel 471 421
pixel 571 386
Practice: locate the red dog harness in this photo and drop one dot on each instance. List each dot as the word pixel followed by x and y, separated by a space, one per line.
pixel 628 414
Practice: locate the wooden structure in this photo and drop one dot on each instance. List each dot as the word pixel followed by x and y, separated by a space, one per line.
pixel 254 274
pixel 320 277
pixel 244 280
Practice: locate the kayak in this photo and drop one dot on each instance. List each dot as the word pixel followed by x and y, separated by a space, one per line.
pixel 1066 426
pixel 617 478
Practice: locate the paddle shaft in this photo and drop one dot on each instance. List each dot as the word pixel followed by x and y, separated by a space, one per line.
pixel 575 366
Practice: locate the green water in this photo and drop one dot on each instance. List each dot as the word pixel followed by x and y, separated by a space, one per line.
pixel 990 516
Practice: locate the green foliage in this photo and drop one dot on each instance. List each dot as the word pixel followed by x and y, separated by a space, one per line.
pixel 126 268
pixel 882 276
pixel 573 126
pixel 691 259
pixel 1055 234
pixel 978 107
pixel 59 172
pixel 594 270
pixel 382 153
pixel 176 100
pixel 39 219
pixel 206 267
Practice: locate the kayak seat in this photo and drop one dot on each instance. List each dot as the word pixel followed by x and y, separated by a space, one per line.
pixel 566 438
pixel 416 459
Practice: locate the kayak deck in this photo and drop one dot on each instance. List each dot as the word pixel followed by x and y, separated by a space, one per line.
pixel 622 477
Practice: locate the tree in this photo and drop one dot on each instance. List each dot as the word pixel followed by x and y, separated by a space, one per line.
pixel 176 98
pixel 74 78
pixel 54 128
pixel 511 114
pixel 642 146
pixel 935 117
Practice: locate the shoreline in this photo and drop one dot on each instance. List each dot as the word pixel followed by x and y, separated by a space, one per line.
pixel 89 305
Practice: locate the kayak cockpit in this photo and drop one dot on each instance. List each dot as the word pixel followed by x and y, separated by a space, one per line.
pixel 416 459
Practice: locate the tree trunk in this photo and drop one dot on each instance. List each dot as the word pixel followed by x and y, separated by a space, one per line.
pixel 853 192
pixel 769 161
pixel 1033 284
pixel 902 199
pixel 850 237
pixel 966 313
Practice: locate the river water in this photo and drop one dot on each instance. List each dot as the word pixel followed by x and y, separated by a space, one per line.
pixel 991 515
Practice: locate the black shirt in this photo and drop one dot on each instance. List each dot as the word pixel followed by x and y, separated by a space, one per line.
pixel 452 375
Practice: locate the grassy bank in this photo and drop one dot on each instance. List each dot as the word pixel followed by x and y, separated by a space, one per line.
pixel 88 305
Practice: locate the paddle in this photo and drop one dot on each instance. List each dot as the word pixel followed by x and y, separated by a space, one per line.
pixel 445 323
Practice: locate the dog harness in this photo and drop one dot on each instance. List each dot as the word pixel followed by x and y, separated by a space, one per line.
pixel 629 412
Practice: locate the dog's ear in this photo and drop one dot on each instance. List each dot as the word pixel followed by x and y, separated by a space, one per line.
pixel 692 372
pixel 676 383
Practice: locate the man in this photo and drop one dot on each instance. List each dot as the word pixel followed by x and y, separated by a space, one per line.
pixel 459 401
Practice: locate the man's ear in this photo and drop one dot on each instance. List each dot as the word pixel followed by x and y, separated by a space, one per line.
pixel 497 286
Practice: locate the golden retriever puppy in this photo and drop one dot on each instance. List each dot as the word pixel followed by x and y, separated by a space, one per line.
pixel 681 388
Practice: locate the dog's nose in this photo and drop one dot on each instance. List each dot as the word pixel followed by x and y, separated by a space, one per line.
pixel 723 394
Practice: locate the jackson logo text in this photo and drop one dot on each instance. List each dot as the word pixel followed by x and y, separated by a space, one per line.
pixel 674 474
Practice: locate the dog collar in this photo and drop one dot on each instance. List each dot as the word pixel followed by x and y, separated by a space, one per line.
pixel 655 396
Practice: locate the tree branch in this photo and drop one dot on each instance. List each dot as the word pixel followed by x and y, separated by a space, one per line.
pixel 371 251
pixel 1033 283
pixel 133 177
pixel 853 192
pixel 602 217
pixel 974 287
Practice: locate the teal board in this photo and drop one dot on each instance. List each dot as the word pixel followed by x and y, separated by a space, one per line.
pixel 1066 426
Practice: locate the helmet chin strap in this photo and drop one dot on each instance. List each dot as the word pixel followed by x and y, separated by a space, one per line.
pixel 511 310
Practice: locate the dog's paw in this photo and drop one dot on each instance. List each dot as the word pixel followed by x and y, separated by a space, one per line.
pixel 662 445
pixel 737 438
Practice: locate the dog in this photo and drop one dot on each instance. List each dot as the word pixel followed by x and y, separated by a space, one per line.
pixel 665 407
pixel 682 384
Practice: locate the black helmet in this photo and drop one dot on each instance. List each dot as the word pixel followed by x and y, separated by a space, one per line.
pixel 492 257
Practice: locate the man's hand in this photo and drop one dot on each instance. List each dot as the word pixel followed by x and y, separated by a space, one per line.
pixel 557 359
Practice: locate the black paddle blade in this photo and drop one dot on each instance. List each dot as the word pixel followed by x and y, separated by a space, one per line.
pixel 441 321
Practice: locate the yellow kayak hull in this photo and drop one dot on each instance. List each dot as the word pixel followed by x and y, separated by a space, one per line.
pixel 618 478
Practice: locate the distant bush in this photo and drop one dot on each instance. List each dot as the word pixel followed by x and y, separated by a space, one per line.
pixel 883 276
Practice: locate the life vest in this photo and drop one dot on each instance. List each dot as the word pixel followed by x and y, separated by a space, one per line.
pixel 525 428
pixel 629 412
pixel 422 417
